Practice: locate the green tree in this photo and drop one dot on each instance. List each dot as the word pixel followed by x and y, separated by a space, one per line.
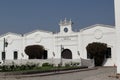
pixel 35 51
pixel 97 52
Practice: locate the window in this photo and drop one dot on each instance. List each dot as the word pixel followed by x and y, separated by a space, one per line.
pixel 108 53
pixel 65 29
pixel 15 55
pixel 3 55
pixel 45 54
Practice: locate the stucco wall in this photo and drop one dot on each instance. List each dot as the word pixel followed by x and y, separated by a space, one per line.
pixel 76 42
pixel 99 34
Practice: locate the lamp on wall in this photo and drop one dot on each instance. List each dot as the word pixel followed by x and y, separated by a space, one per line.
pixel 78 53
pixel 79 56
pixel 22 54
pixel 62 48
pixel 5 44
pixel 53 54
pixel 53 57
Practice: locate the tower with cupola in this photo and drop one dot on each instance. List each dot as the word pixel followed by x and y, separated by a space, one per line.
pixel 65 26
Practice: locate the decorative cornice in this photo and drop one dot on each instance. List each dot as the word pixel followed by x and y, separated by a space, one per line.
pixel 20 35
pixel 38 31
pixel 101 25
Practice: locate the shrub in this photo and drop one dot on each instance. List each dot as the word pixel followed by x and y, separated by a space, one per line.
pixel 67 64
pixel 13 67
pixel 59 65
pixel 47 65
pixel 73 64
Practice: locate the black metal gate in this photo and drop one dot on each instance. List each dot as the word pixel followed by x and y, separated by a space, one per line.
pixel 66 54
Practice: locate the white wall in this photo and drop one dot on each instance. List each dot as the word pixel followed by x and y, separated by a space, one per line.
pixel 67 41
pixel 40 38
pixel 99 34
pixel 14 44
pixel 74 41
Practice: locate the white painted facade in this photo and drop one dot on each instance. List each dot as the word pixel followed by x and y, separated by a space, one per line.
pixel 76 42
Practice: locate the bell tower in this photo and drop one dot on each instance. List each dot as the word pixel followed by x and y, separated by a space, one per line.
pixel 117 27
pixel 65 26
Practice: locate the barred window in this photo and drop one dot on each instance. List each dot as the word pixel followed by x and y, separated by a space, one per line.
pixel 3 55
pixel 108 53
pixel 15 55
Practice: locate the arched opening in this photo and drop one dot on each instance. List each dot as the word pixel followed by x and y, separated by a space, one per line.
pixel 99 52
pixel 66 54
pixel 36 52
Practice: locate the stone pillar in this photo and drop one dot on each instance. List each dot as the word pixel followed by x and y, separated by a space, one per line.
pixel 117 26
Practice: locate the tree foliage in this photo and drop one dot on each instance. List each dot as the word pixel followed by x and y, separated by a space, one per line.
pixel 35 51
pixel 97 52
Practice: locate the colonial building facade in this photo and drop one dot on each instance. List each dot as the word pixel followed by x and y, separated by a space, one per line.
pixel 67 43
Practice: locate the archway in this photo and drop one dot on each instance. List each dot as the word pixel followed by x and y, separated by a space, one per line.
pixel 99 52
pixel 36 52
pixel 66 54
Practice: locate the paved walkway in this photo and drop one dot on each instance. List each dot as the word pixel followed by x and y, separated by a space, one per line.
pixel 97 74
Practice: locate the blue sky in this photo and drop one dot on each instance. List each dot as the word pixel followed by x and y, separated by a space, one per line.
pixel 22 16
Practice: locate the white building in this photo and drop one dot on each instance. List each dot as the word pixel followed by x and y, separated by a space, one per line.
pixel 74 43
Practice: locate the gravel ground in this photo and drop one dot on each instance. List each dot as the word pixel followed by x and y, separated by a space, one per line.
pixel 102 77
pixel 97 74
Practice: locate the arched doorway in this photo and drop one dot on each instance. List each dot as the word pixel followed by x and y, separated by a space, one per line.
pixel 66 54
pixel 36 52
pixel 99 52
